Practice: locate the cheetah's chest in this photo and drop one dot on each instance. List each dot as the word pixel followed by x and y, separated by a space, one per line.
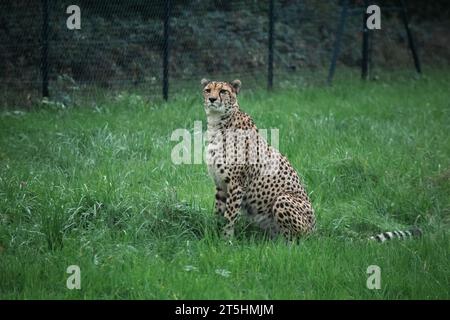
pixel 215 158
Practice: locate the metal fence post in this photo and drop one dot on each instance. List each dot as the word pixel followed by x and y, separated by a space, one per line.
pixel 44 49
pixel 165 84
pixel 337 43
pixel 411 43
pixel 365 44
pixel 270 45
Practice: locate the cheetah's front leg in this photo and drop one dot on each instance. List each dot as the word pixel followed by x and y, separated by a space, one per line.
pixel 233 206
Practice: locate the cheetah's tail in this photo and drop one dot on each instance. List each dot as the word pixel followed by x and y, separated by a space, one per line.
pixel 382 237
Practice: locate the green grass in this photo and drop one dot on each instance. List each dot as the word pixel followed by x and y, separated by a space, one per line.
pixel 96 187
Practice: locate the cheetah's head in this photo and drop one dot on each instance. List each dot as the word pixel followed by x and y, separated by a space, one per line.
pixel 220 97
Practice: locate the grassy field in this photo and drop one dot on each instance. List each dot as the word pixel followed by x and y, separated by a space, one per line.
pixel 95 187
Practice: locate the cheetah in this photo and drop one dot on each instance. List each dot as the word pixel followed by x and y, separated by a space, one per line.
pixel 250 175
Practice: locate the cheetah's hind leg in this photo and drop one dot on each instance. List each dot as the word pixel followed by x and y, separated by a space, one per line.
pixel 293 215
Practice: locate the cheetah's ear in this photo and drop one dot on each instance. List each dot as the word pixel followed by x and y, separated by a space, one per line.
pixel 236 84
pixel 204 82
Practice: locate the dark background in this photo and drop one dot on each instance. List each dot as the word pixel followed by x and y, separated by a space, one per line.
pixel 120 43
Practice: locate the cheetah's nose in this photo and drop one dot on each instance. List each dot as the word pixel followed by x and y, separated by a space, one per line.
pixel 212 99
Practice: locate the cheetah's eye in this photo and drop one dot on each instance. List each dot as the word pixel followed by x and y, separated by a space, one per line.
pixel 207 90
pixel 223 91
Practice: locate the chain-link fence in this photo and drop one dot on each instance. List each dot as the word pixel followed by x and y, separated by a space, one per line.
pixel 161 46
